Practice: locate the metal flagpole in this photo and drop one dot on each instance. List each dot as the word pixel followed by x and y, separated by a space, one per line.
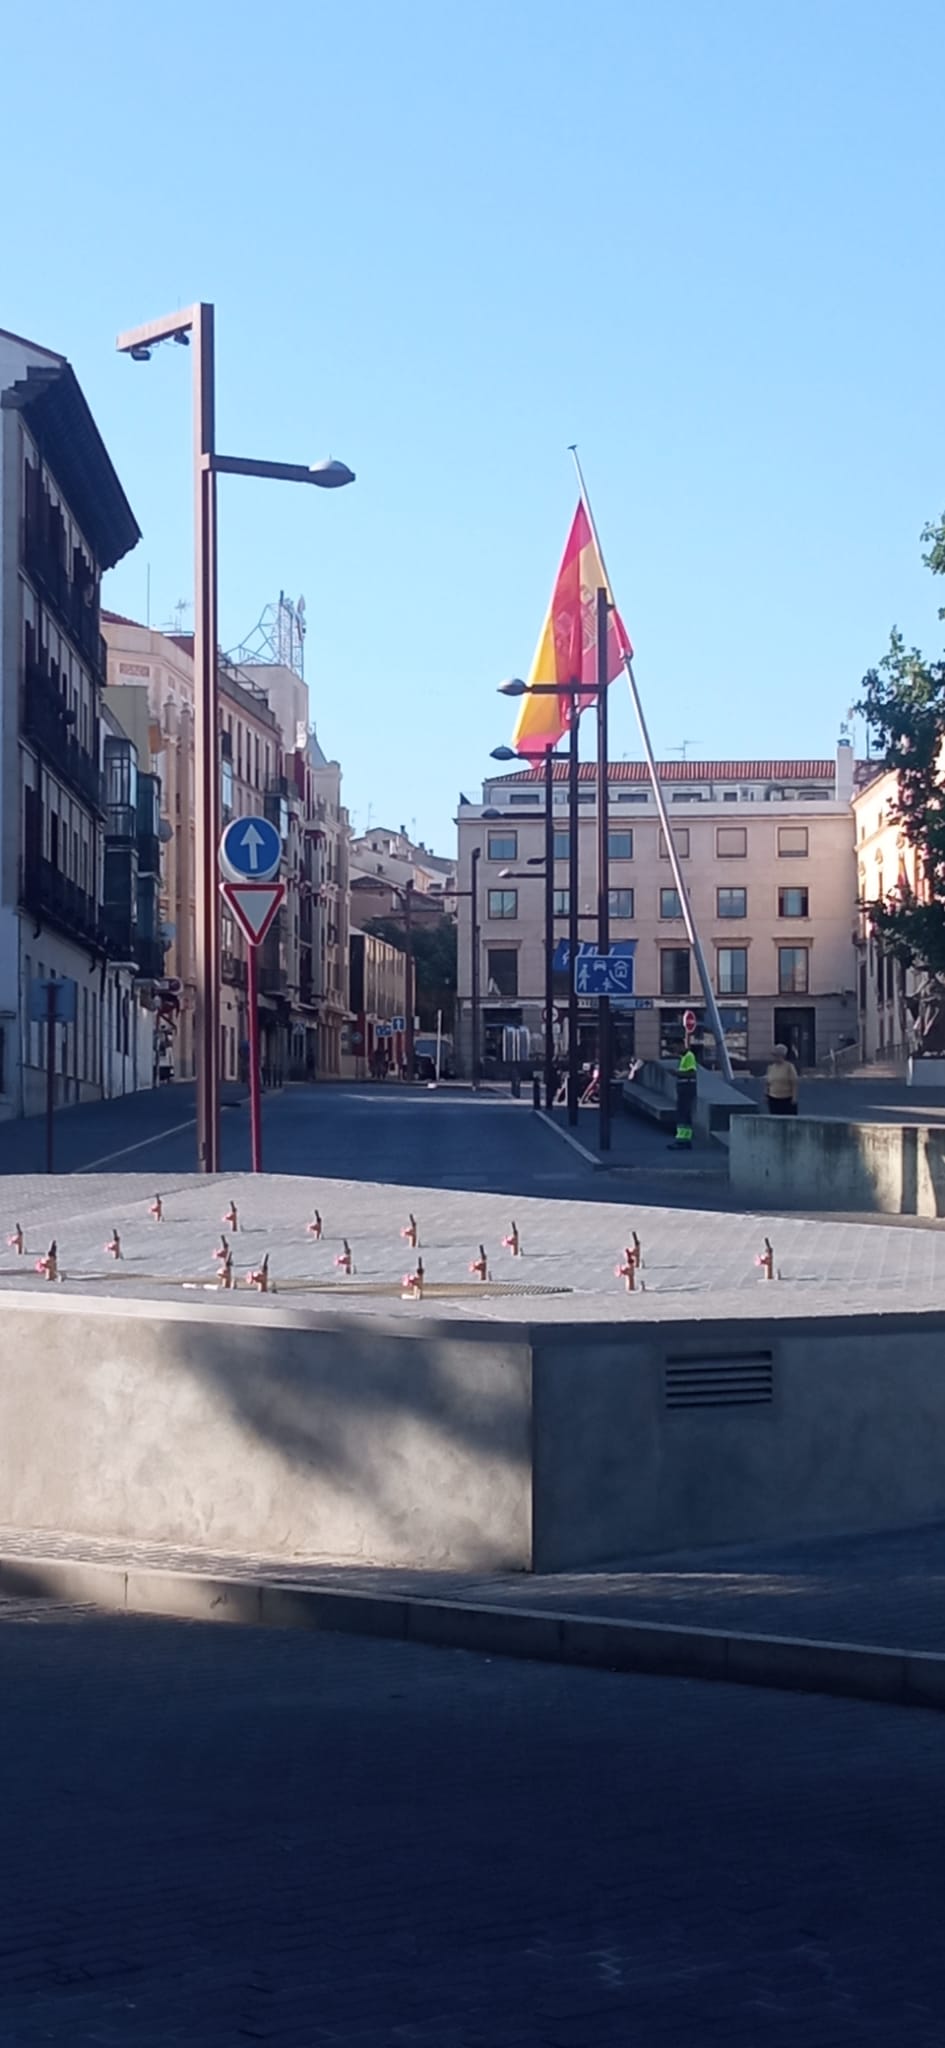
pixel 708 992
pixel 603 872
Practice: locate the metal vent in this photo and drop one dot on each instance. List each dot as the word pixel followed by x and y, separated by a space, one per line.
pixel 720 1381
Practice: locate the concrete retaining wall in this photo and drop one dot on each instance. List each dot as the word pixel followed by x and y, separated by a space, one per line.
pixel 894 1169
pixel 261 1433
pixel 271 1432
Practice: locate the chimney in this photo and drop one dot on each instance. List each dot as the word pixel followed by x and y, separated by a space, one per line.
pixel 843 785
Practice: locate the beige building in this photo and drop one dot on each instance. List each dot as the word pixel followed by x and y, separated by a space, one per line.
pixel 884 863
pixel 768 854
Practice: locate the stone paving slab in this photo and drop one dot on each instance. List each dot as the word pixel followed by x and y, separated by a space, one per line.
pixel 886 1589
pixel 697 1263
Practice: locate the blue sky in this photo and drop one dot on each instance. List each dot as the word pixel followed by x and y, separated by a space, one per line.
pixel 445 240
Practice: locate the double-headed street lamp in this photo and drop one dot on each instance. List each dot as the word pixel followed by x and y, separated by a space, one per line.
pixel 195 323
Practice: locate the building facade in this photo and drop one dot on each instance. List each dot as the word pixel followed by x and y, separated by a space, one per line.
pixel 378 1000
pixel 885 864
pixel 64 519
pixel 767 851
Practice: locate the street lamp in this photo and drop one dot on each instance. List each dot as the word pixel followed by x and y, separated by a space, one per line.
pixel 195 323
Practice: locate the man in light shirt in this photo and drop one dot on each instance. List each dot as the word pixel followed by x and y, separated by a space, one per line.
pixel 781 1084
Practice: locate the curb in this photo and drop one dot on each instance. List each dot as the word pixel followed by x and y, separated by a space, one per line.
pixel 859 1671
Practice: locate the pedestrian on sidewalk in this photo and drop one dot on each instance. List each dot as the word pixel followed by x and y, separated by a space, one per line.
pixel 781 1084
pixel 687 1082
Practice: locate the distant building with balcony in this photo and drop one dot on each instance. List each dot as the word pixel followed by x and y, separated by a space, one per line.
pixel 64 518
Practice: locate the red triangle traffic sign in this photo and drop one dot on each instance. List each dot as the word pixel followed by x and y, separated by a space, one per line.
pixel 254 905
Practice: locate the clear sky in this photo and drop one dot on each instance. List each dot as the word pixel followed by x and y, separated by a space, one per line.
pixel 445 238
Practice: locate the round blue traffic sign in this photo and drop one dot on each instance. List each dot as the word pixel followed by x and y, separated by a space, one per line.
pixel 250 850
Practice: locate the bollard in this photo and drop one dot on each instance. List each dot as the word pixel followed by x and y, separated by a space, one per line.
pixel 513 1242
pixel 344 1259
pixel 628 1271
pixel 480 1266
pixel 223 1248
pixel 17 1242
pixel 536 1091
pixel 765 1260
pixel 225 1268
pixel 260 1278
pixel 315 1227
pixel 49 1266
pixel 411 1233
pixel 636 1248
pixel 231 1219
pixel 157 1209
pixel 113 1247
pixel 413 1284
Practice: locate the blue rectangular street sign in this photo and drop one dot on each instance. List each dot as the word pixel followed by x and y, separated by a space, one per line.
pixel 604 974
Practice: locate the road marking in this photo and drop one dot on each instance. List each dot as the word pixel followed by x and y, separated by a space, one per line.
pixel 543 1118
pixel 94 1165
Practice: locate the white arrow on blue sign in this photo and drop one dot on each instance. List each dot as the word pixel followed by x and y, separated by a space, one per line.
pixel 250 850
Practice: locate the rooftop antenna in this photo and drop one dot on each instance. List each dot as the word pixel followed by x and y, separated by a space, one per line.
pixel 681 749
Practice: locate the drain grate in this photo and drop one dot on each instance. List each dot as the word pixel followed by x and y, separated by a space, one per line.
pixel 720 1381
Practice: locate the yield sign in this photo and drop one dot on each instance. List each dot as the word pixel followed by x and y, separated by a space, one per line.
pixel 254 905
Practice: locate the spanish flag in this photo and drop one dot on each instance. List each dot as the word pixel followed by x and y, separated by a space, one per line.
pixel 567 650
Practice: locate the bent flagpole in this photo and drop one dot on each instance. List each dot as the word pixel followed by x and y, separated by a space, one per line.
pixel 708 992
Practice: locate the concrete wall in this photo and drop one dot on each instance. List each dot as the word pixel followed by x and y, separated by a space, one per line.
pixel 256 1429
pixel 852 1437
pixel 894 1169
pixel 257 1432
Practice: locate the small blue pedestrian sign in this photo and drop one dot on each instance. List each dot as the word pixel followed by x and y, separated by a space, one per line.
pixel 604 974
pixel 250 850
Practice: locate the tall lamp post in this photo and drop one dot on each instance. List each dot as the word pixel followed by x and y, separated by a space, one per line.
pixel 474 1054
pixel 195 323
pixel 509 754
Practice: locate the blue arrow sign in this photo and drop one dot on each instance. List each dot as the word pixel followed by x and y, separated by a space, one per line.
pixel 604 974
pixel 250 850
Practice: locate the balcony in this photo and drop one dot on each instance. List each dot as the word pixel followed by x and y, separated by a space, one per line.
pixel 149 954
pixel 51 895
pixel 233 970
pixel 73 598
pixel 273 981
pixel 45 723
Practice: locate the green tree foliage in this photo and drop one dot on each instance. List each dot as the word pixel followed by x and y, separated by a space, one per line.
pixel 903 703
pixel 434 953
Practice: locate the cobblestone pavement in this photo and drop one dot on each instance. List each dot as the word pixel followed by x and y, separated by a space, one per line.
pixel 882 1589
pixel 222 1836
pixel 696 1262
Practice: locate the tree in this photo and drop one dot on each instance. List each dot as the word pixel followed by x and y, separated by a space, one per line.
pixel 903 703
pixel 434 954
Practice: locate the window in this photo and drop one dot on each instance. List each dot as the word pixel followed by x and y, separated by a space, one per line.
pixel 502 971
pixel 670 905
pixel 503 846
pixel 620 902
pixel 793 974
pixel 562 845
pixel 687 796
pixel 731 902
pixel 562 902
pixel 730 796
pixel 680 841
pixel 793 902
pixel 732 977
pixel 792 842
pixel 503 903
pixel 731 842
pixel 620 845
pixel 674 971
pixel 633 796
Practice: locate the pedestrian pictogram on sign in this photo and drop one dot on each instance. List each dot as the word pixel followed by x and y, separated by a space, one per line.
pixel 254 905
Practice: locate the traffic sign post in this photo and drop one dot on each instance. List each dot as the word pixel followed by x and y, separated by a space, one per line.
pixel 250 852
pixel 51 1003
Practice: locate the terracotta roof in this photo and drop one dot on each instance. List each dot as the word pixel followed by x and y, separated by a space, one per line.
pixel 118 619
pixel 685 771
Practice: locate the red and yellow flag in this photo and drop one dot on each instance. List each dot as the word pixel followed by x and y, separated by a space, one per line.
pixel 567 650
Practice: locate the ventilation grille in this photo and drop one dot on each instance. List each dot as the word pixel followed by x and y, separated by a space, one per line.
pixel 720 1382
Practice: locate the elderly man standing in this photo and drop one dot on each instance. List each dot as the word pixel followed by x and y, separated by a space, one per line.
pixel 781 1084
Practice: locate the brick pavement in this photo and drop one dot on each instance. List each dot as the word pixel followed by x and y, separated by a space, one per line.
pixel 697 1262
pixel 226 1836
pixel 886 1588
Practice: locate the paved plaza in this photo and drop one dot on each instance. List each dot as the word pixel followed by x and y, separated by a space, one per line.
pixel 697 1263
pixel 226 1836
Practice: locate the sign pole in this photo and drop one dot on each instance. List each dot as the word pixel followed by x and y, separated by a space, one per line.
pixel 50 1070
pixel 255 1101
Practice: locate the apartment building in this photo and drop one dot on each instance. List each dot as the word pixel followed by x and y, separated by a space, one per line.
pixel 378 997
pixel 767 851
pixel 64 519
pixel 885 863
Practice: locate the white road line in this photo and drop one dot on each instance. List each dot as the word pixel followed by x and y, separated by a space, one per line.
pixel 93 1167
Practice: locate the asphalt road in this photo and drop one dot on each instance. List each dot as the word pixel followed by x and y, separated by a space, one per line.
pixel 411 1137
pixel 220 1836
